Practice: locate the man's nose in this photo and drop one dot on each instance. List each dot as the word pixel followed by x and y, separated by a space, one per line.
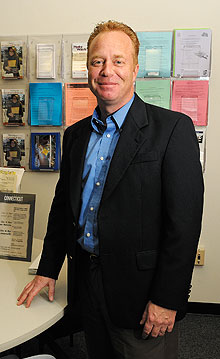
pixel 107 69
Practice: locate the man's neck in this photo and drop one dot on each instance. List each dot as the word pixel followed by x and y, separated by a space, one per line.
pixel 107 110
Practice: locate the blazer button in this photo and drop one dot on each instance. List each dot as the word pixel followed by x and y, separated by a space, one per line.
pixel 70 257
pixel 74 224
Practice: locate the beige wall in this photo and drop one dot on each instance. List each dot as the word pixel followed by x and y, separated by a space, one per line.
pixel 28 17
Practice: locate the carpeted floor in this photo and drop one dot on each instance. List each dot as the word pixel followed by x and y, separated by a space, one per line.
pixel 199 339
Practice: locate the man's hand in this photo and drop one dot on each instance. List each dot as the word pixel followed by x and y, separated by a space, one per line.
pixel 34 287
pixel 157 320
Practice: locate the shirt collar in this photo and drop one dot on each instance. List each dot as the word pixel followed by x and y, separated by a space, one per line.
pixel 119 116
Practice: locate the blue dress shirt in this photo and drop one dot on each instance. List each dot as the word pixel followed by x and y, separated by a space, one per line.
pixel 101 147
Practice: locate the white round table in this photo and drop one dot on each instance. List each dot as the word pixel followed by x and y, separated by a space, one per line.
pixel 19 324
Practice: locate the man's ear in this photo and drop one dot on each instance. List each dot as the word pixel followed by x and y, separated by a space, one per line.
pixel 135 72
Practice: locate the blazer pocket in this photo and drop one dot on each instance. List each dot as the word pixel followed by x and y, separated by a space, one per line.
pixel 146 259
pixel 145 157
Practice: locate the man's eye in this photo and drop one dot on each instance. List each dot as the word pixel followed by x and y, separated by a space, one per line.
pixel 97 62
pixel 119 62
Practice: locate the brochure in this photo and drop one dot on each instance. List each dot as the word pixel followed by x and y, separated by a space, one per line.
pixel 45 151
pixel 79 102
pixel 45 61
pixel 155 92
pixel 12 59
pixel 201 136
pixel 10 179
pixel 191 98
pixel 192 53
pixel 46 104
pixel 155 53
pixel 13 107
pixel 16 225
pixel 14 150
pixel 79 59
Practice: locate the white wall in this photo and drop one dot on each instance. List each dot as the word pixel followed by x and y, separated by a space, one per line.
pixel 28 17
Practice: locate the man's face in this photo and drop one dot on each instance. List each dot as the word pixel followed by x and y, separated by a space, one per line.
pixel 11 52
pixel 111 69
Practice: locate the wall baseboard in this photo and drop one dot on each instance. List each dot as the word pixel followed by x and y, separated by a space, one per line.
pixel 203 308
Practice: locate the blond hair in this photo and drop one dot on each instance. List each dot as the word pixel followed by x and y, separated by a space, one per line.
pixel 112 25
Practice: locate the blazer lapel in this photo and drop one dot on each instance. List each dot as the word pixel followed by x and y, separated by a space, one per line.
pixel 77 156
pixel 131 139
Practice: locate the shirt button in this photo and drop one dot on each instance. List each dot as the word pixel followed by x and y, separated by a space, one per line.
pixel 87 234
pixel 91 208
pixel 101 158
pixel 98 183
pixel 108 135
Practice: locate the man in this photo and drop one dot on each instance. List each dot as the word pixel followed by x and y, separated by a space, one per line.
pixel 127 211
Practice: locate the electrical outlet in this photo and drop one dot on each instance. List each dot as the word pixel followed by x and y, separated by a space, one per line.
pixel 200 257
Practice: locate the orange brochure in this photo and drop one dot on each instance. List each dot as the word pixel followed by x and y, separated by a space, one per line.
pixel 79 102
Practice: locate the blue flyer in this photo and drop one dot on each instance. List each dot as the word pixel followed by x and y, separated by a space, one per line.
pixel 45 104
pixel 155 53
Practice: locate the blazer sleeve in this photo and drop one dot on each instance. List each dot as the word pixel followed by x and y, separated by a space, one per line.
pixel 182 198
pixel 54 249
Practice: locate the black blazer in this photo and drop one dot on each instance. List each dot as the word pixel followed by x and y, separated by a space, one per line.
pixel 149 219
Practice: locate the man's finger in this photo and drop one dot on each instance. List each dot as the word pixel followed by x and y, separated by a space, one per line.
pixel 25 288
pixel 162 331
pixel 147 330
pixel 25 293
pixel 155 331
pixel 31 295
pixel 144 317
pixel 170 328
pixel 51 291
pixel 34 287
